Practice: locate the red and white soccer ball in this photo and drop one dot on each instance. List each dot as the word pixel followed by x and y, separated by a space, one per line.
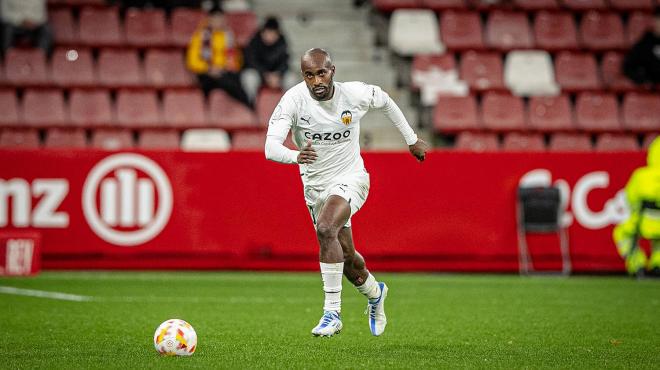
pixel 175 337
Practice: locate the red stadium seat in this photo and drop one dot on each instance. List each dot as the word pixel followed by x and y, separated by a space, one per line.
pixel 482 71
pixel 26 67
pixel 72 68
pixel 159 139
pixel 597 112
pixel 611 70
pixel 455 113
pixel 248 140
pixel 577 71
pixel 112 139
pixel 602 31
pixel 648 139
pixel 476 142
pixel 426 62
pixel 502 112
pixel 641 112
pixel 57 138
pixel 551 113
pixel 243 24
pixel 65 30
pixel 166 69
pixel 461 30
pixel 184 108
pixel 638 23
pixel 44 108
pixel 518 142
pixel 227 113
pixel 570 142
pixel 585 4
pixel 90 108
pixel 184 24
pixel 555 31
pixel 146 28
pixel 138 108
pixel 442 5
pixel 19 139
pixel 616 143
pixel 388 6
pixel 533 5
pixel 100 27
pixel 9 108
pixel 628 5
pixel 78 3
pixel 120 68
pixel 508 30
pixel 266 103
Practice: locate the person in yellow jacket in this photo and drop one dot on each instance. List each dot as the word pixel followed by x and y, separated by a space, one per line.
pixel 643 195
pixel 214 58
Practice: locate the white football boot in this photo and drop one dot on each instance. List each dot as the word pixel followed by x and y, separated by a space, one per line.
pixel 329 325
pixel 376 312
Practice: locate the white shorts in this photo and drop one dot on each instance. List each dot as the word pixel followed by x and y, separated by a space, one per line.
pixel 353 188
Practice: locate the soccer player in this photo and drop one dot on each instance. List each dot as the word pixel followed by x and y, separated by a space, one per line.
pixel 324 117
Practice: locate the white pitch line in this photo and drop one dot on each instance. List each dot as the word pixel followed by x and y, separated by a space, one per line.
pixel 44 294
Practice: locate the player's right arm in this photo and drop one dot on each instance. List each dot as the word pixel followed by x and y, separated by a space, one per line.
pixel 279 125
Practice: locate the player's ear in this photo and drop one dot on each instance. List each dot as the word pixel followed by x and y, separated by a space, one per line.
pixel 333 71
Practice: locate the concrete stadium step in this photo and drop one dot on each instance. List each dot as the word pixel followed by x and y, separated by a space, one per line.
pixel 343 8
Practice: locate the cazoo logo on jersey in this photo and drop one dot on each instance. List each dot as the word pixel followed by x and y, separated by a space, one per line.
pixel 126 200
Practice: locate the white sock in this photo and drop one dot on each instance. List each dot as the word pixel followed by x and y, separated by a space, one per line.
pixel 370 288
pixel 332 273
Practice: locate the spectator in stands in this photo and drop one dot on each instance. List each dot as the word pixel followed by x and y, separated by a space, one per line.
pixel 267 60
pixel 25 19
pixel 642 63
pixel 643 195
pixel 212 56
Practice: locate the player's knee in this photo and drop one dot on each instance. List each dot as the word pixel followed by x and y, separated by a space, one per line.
pixel 326 231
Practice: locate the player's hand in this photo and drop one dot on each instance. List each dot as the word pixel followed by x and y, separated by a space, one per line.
pixel 419 149
pixel 307 154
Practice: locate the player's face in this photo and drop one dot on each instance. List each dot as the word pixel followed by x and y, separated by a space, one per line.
pixel 318 75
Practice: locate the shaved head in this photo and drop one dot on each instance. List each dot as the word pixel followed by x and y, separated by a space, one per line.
pixel 318 72
pixel 317 55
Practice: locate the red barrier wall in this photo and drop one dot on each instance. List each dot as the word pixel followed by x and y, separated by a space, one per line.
pixel 454 212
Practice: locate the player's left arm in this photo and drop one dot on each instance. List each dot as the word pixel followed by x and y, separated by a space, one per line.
pixel 381 100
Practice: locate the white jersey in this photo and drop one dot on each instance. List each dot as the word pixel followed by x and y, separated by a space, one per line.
pixel 333 126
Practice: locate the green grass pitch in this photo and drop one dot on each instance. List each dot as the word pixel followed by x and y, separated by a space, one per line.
pixel 263 320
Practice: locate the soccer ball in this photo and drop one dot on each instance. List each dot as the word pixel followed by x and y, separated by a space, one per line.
pixel 175 337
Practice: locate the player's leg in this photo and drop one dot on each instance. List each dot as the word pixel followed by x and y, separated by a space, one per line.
pixel 356 272
pixel 654 262
pixel 626 240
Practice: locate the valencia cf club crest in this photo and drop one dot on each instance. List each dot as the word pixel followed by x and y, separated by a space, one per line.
pixel 346 117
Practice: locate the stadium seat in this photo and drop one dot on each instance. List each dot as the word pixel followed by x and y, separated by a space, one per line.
pixel 388 6
pixel 166 69
pixel 266 103
pixel 120 68
pixel 248 140
pixel 184 24
pixel 57 138
pixel 9 108
pixel 638 23
pixel 159 139
pixel 611 70
pixel 442 5
pixel 72 68
pixel 530 73
pixel 461 30
pixel 26 67
pixel 78 3
pixel 551 113
pixel 65 30
pixel 482 70
pixel 570 142
pixel 534 5
pixel 628 5
pixel 205 140
pixel 519 142
pixel 112 139
pixel 648 139
pixel 19 139
pixel 455 113
pixel 616 143
pixel 577 71
pixel 146 28
pixel 414 31
pixel 555 31
pixel 138 109
pixel 243 24
pixel 597 112
pixel 601 31
pixel 90 108
pixel 502 112
pixel 476 142
pixel 44 108
pixel 508 30
pixel 583 5
pixel 424 63
pixel 641 112
pixel 227 113
pixel 184 108
pixel 100 27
